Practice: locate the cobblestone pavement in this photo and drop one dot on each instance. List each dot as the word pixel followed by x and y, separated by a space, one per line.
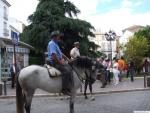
pixel 126 84
pixel 105 103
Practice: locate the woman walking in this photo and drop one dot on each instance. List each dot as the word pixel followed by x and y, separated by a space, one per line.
pixel 116 72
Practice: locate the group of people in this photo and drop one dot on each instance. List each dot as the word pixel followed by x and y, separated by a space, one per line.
pixel 119 68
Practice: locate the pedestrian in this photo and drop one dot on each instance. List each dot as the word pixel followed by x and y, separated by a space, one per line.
pixel 127 70
pixel 108 77
pixel 74 53
pixel 121 67
pixel 116 71
pixel 146 66
pixel 131 70
pixel 12 73
pixel 104 75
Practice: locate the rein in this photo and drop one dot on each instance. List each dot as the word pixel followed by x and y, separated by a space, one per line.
pixel 80 77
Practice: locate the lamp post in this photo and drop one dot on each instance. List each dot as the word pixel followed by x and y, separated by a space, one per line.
pixel 110 36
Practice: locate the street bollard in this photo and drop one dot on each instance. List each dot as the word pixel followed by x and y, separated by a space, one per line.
pixel 148 81
pixel 0 88
pixel 5 88
pixel 144 81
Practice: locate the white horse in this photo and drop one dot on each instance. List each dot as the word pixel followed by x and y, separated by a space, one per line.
pixel 32 77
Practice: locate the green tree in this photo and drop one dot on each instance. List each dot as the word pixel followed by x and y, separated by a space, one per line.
pixel 144 33
pixel 50 15
pixel 136 50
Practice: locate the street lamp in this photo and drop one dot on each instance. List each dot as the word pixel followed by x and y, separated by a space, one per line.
pixel 110 36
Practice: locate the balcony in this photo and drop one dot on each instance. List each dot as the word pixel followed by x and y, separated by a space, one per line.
pixel 6 32
pixel 6 16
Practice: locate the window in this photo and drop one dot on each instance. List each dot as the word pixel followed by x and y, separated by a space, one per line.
pixel 103 46
pixel 103 38
pixel 6 31
pixel 5 13
pixel 5 25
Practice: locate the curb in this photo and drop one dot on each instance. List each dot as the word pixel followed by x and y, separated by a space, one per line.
pixel 81 94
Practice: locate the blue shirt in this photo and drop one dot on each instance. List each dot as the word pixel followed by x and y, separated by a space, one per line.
pixel 54 48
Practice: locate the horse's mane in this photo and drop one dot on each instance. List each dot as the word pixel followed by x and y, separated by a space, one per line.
pixel 82 61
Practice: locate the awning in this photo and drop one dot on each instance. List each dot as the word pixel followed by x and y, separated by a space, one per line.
pixel 2 44
pixel 6 41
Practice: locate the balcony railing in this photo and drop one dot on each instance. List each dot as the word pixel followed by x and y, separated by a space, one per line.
pixel 6 16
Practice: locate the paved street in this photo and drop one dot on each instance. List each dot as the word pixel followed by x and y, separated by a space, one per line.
pixel 126 84
pixel 104 103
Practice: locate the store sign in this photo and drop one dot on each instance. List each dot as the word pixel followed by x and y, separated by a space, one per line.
pixel 18 50
pixel 15 37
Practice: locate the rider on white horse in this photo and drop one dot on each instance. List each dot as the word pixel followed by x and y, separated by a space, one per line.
pixel 55 59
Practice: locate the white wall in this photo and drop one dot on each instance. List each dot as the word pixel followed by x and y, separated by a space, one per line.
pixel 2 19
pixel 104 44
pixel 125 37
pixel 26 60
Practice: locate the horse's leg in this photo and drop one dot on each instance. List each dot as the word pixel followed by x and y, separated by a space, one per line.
pixel 28 100
pixel 85 88
pixel 72 98
pixel 91 93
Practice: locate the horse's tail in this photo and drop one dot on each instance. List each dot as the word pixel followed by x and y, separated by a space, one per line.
pixel 19 97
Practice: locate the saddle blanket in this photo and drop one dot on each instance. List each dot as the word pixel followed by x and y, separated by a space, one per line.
pixel 53 72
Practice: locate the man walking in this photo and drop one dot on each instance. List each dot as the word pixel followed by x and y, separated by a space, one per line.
pixel 121 67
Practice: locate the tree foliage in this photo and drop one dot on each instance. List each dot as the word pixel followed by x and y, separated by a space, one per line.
pixel 144 33
pixel 136 50
pixel 59 15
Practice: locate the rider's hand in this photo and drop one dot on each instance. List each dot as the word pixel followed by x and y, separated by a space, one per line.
pixel 61 62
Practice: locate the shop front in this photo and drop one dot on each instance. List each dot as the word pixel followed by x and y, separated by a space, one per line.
pixel 7 56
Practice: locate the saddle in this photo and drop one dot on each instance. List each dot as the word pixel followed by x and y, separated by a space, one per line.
pixel 53 72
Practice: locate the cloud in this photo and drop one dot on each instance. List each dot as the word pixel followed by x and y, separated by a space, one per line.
pixel 138 3
pixel 118 20
pixel 126 4
pixel 21 9
pixel 86 7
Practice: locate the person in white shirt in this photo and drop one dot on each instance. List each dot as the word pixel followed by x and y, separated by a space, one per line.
pixel 74 53
pixel 116 72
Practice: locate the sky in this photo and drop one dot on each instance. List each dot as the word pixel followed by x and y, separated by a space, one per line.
pixel 102 14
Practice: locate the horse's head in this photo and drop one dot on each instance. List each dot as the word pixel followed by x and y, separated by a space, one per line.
pixel 96 68
pixel 84 63
pixel 81 62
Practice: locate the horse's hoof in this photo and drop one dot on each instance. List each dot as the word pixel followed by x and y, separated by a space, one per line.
pixel 61 98
pixel 67 98
pixel 92 98
pixel 86 97
pixel 102 86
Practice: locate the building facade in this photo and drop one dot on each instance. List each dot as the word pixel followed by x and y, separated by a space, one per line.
pixel 4 18
pixel 127 34
pixel 7 33
pixel 105 46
